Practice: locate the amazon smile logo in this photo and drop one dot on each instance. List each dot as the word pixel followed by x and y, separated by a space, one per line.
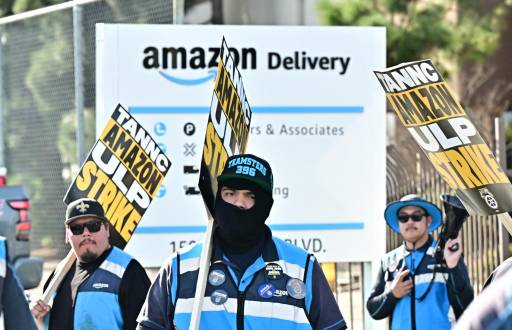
pixel 212 73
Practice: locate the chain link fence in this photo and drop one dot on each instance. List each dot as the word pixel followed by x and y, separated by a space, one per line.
pixel 39 113
pixel 38 101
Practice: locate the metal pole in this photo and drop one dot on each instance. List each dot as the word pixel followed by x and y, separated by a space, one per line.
pixel 418 174
pixel 302 12
pixel 79 86
pixel 350 293
pixel 501 157
pixel 178 12
pixel 369 323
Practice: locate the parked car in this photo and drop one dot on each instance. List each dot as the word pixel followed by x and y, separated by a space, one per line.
pixel 15 226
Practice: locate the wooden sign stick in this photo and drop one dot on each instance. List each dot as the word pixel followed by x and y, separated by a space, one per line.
pixel 62 269
pixel 204 265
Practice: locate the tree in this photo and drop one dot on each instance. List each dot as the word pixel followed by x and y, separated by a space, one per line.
pixel 11 7
pixel 453 33
pixel 419 29
pixel 460 37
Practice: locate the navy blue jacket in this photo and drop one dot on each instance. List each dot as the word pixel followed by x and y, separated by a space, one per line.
pixel 13 303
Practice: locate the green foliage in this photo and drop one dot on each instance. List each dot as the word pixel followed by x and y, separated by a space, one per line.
pixel 6 7
pixel 53 62
pixel 38 72
pixel 419 29
pixel 11 7
pixel 19 6
pixel 67 135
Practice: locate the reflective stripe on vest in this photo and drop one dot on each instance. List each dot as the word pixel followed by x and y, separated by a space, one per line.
pixel 3 257
pixel 97 302
pixel 280 311
pixel 3 270
pixel 253 308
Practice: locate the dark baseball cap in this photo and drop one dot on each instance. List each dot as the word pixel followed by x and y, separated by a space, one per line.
pixel 249 168
pixel 84 207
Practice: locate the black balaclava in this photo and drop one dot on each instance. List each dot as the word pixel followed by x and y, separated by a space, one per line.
pixel 240 229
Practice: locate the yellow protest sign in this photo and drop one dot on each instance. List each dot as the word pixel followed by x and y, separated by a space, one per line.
pixel 437 122
pixel 123 172
pixel 227 131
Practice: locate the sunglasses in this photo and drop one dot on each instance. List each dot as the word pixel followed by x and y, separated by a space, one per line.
pixel 92 227
pixel 403 218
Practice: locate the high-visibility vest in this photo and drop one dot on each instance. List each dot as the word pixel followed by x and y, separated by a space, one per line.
pixel 432 309
pixel 260 300
pixel 97 300
pixel 3 269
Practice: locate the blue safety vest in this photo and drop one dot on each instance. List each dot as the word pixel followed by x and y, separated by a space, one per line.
pixel 430 308
pixel 275 292
pixel 97 300
pixel 3 267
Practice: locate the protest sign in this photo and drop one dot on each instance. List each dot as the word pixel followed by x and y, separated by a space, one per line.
pixel 227 133
pixel 123 172
pixel 438 123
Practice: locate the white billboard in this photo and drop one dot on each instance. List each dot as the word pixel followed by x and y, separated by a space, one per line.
pixel 318 118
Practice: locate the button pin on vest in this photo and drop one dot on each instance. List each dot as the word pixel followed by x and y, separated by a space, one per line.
pixel 296 288
pixel 219 297
pixel 216 277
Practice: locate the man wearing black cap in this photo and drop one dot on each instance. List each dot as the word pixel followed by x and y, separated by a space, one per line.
pixel 412 286
pixel 255 280
pixel 105 288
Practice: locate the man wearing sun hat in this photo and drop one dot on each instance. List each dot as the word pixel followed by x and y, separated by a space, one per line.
pixel 413 288
pixel 255 280
pixel 105 288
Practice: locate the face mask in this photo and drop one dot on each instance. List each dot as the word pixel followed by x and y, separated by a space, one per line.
pixel 241 229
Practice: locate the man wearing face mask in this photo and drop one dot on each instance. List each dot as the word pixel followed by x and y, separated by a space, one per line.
pixel 255 280
pixel 412 287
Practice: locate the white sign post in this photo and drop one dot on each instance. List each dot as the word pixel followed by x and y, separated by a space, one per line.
pixel 318 118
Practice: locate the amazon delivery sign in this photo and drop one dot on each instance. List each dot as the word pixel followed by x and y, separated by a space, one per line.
pixel 318 117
